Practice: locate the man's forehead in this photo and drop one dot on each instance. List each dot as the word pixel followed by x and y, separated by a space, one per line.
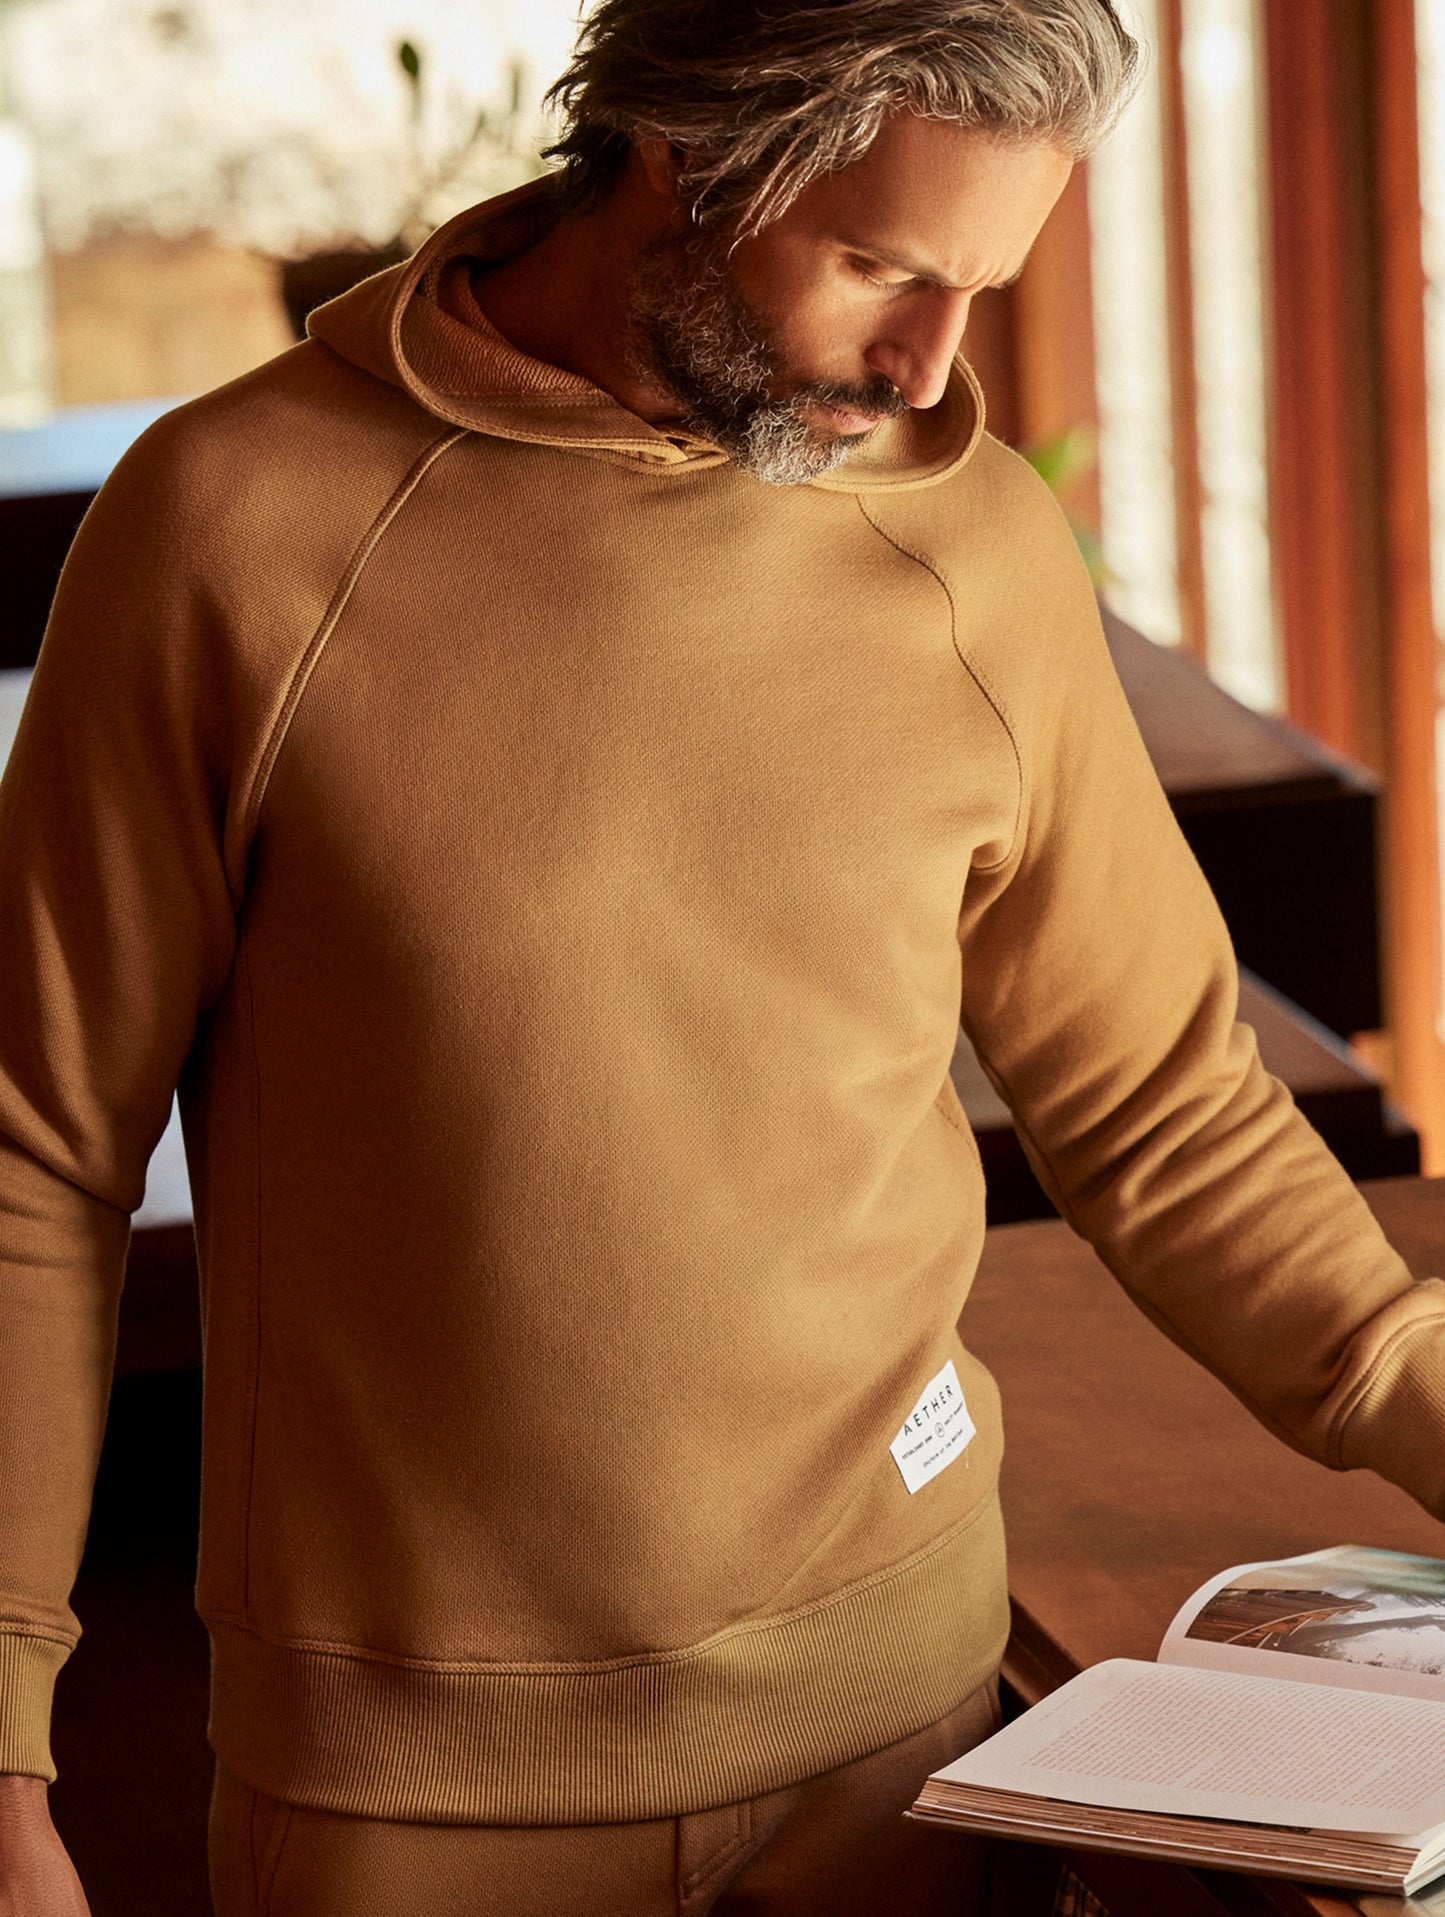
pixel 954 205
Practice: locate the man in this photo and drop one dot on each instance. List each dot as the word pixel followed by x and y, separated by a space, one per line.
pixel 544 765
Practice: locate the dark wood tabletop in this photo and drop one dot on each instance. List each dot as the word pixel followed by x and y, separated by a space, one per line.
pixel 1131 1475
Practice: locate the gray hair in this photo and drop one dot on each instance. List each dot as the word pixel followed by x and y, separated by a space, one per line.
pixel 760 97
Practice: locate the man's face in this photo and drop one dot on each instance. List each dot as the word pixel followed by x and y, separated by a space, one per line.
pixel 789 348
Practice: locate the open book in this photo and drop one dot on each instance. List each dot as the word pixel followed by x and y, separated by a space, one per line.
pixel 1293 1725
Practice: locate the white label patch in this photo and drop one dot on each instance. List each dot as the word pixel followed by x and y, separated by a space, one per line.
pixel 934 1432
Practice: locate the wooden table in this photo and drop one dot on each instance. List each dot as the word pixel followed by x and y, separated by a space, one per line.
pixel 1131 1475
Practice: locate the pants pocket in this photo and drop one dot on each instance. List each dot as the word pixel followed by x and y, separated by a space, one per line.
pixel 247 1835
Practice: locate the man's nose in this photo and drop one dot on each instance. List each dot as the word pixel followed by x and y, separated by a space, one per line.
pixel 917 350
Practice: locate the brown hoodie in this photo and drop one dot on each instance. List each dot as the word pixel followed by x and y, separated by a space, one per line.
pixel 552 864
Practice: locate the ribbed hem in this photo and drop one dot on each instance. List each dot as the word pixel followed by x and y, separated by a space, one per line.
pixel 29 1666
pixel 752 1710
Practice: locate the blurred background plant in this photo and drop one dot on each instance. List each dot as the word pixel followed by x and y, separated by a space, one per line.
pixel 179 149
pixel 1061 462
pixel 494 141
pixel 27 373
pixel 272 126
pixel 488 152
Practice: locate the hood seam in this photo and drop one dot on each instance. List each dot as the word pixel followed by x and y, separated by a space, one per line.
pixel 381 326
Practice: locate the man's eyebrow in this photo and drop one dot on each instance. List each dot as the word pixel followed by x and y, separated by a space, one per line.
pixel 886 257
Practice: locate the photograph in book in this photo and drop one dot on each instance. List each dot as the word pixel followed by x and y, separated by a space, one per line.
pixel 1380 1609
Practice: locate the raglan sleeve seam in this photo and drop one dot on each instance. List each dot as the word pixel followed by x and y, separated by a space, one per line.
pixel 365 549
pixel 994 700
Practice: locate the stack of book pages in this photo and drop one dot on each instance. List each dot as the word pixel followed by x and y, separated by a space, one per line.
pixel 1294 1726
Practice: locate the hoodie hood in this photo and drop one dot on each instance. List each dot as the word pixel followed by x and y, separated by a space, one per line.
pixel 418 326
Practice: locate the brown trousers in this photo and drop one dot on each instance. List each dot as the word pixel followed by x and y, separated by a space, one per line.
pixel 833 1846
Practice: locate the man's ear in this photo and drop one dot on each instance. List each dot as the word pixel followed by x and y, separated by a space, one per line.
pixel 661 163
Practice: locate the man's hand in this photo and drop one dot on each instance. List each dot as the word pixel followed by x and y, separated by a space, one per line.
pixel 37 1878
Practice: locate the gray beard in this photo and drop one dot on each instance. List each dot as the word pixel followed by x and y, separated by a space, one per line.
pixel 696 335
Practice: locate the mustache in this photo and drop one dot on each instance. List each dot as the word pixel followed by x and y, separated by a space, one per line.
pixel 876 398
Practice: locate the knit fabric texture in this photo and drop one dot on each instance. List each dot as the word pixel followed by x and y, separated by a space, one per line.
pixel 553 865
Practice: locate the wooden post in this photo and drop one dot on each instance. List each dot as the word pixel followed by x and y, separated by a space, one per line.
pixel 1411 838
pixel 1054 332
pixel 1325 388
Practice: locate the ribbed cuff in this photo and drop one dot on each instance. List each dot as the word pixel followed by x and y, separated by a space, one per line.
pixel 29 1666
pixel 760 1707
pixel 1396 1424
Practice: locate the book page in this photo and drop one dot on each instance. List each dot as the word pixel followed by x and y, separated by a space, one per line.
pixel 1158 1737
pixel 1352 1617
